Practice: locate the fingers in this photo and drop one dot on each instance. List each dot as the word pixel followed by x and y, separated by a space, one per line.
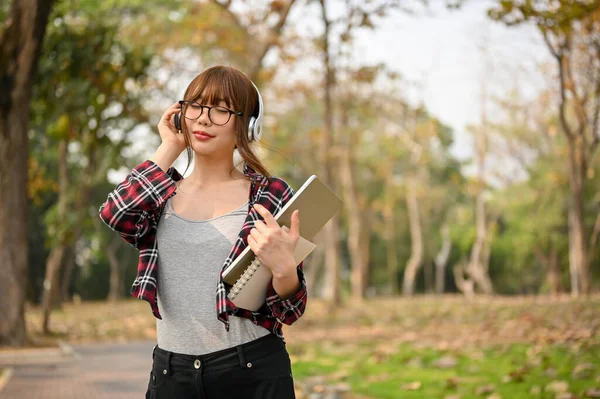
pixel 168 115
pixel 261 227
pixel 253 244
pixel 172 111
pixel 295 227
pixel 264 212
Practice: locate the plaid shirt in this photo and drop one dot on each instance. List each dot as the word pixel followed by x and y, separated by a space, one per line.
pixel 133 210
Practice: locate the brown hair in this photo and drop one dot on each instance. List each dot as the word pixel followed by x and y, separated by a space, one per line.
pixel 234 88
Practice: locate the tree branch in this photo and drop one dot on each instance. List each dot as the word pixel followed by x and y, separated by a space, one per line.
pixel 226 6
pixel 571 86
pixel 271 40
pixel 559 55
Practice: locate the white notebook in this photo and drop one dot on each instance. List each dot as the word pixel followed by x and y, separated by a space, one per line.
pixel 249 279
pixel 249 291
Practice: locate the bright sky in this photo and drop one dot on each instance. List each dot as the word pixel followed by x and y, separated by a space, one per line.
pixel 440 52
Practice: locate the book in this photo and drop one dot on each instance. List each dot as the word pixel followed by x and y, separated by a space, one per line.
pixel 249 279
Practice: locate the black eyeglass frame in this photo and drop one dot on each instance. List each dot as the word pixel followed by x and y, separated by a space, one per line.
pixel 231 112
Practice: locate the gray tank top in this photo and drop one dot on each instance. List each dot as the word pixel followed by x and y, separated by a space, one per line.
pixel 191 255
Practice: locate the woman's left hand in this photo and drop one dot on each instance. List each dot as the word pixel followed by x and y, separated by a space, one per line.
pixel 273 245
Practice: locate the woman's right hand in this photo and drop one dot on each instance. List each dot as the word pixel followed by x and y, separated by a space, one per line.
pixel 166 128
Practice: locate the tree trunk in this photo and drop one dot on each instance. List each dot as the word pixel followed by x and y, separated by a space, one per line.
pixel 51 281
pixel 416 239
pixel 577 238
pixel 332 228
pixel 477 268
pixel 313 265
pixel 332 287
pixel 593 241
pixel 20 47
pixel 389 235
pixel 464 285
pixel 116 281
pixel 54 261
pixel 554 273
pixel 358 240
pixel 550 264
pixel 441 260
pixel 68 267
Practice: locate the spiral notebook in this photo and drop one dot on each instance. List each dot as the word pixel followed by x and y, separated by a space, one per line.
pixel 249 279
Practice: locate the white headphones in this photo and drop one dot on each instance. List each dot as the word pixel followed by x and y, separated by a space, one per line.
pixel 255 123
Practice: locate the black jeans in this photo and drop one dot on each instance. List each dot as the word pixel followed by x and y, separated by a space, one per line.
pixel 260 369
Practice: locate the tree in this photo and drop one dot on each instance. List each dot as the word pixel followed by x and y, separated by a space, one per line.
pixel 87 87
pixel 20 46
pixel 571 31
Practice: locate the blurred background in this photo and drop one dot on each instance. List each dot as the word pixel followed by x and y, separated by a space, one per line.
pixel 462 137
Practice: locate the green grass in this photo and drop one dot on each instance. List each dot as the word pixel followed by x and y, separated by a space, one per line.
pixel 382 373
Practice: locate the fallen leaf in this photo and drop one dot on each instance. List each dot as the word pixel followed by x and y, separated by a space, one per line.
pixel 412 386
pixel 557 386
pixel 318 388
pixel 484 390
pixel 341 387
pixel 535 390
pixel 583 371
pixel 445 362
pixel 415 362
pixel 519 374
pixel 452 383
pixel 550 372
pixel 592 393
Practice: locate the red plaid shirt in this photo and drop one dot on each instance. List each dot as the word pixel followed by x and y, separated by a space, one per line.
pixel 133 210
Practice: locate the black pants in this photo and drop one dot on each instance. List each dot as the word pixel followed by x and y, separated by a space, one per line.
pixel 260 369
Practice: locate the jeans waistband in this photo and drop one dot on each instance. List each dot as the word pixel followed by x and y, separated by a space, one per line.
pixel 240 356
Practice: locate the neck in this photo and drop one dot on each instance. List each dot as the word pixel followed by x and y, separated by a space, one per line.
pixel 210 171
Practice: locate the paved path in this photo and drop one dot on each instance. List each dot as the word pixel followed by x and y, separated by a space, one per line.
pixel 97 371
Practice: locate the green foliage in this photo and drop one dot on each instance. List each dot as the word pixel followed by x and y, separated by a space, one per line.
pixel 553 15
pixel 87 92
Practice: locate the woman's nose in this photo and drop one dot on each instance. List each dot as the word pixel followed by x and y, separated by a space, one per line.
pixel 203 118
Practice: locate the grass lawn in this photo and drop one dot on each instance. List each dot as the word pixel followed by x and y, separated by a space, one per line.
pixel 391 371
pixel 423 347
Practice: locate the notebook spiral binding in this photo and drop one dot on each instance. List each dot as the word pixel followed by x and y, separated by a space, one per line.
pixel 244 278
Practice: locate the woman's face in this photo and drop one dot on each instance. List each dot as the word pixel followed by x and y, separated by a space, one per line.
pixel 208 135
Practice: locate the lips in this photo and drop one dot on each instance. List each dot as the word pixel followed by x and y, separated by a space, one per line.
pixel 200 133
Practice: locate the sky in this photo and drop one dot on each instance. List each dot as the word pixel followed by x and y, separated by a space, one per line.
pixel 447 54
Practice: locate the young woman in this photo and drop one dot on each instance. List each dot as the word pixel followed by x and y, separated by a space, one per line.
pixel 189 230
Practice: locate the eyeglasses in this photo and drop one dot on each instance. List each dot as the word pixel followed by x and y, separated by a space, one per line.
pixel 217 114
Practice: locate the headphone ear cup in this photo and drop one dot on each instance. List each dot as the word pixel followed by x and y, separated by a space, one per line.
pixel 251 128
pixel 177 121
